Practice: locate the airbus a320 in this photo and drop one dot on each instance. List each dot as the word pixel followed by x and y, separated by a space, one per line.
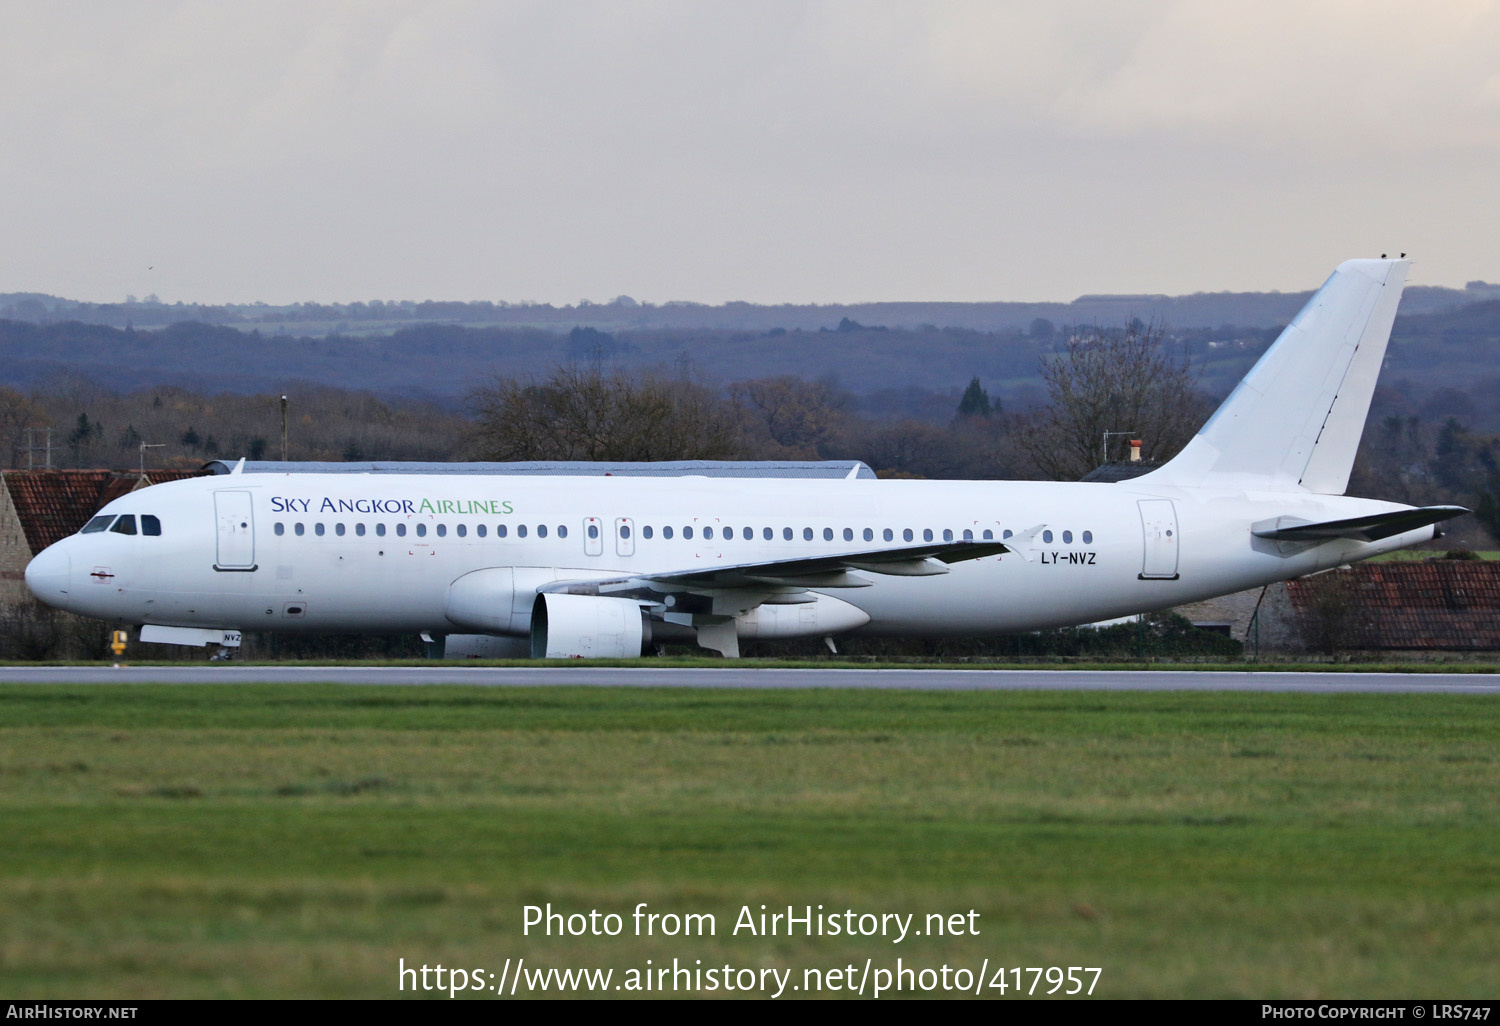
pixel 593 566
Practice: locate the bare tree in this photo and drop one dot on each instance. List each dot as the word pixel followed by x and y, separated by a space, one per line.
pixel 582 413
pixel 789 418
pixel 17 413
pixel 1111 381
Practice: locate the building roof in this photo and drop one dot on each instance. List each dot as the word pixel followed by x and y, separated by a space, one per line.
pixel 53 504
pixel 1437 604
pixel 1120 470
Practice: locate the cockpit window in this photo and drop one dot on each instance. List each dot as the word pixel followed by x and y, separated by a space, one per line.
pixel 125 525
pixel 150 525
pixel 97 524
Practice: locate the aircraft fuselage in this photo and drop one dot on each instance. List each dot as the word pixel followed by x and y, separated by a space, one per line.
pixel 304 552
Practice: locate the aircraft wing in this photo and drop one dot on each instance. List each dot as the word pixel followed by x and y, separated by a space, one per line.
pixel 1366 529
pixel 770 577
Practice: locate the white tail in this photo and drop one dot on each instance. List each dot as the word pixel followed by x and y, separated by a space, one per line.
pixel 1295 420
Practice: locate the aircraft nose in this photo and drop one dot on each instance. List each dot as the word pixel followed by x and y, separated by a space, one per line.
pixel 49 575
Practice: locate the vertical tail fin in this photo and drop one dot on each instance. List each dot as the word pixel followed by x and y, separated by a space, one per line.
pixel 1295 420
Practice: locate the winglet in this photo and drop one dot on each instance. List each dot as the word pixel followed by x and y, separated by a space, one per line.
pixel 239 468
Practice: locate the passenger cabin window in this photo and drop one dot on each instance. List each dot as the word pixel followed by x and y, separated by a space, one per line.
pixel 647 532
pixel 338 529
pixel 280 528
pixel 869 534
pixel 400 530
pixel 125 525
pixel 442 530
pixel 562 530
pixel 479 530
pixel 1088 537
pixel 359 529
pixel 97 524
pixel 520 530
pixel 501 531
pixel 150 525
pixel 380 530
pixel 318 529
pixel 747 533
pixel 666 532
pixel 298 530
pixel 687 532
pixel 767 533
pixel 541 530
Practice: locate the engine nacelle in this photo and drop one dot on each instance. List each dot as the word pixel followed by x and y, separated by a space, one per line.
pixel 587 627
pixel 823 616
pixel 499 599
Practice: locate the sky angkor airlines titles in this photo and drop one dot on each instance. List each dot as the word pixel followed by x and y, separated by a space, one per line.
pixel 601 566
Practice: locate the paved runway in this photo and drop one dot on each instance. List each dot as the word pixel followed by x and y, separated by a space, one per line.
pixel 737 677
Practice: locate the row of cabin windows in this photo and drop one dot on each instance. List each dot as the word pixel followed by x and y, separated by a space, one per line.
pixel 867 534
pixel 123 524
pixel 441 530
pixel 724 533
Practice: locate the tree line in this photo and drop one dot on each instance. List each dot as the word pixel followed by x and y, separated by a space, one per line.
pixel 1097 388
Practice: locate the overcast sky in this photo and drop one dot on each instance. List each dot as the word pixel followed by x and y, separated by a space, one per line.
pixel 557 150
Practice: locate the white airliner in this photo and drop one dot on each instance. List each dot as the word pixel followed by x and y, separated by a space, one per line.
pixel 602 565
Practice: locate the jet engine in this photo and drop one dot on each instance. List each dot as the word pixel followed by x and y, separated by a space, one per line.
pixel 587 627
pixel 499 599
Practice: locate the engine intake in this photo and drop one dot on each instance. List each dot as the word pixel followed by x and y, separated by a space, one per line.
pixel 587 627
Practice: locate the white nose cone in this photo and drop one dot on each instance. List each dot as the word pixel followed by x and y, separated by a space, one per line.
pixel 49 576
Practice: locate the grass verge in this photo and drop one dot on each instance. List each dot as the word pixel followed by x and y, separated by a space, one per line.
pixel 185 841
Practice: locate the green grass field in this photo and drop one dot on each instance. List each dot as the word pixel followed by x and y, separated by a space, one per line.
pixel 279 841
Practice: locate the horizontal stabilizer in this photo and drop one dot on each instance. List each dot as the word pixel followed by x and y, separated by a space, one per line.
pixel 1366 529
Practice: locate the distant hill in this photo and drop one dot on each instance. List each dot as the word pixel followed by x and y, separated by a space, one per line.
pixel 1200 310
pixel 892 369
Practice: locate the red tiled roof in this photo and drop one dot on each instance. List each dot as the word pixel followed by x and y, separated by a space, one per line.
pixel 53 504
pixel 1439 603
